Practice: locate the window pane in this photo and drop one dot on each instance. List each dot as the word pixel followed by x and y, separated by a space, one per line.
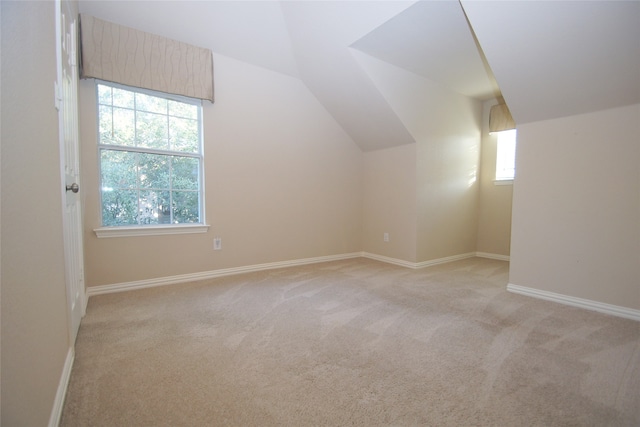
pixel 119 207
pixel 506 155
pixel 123 126
pixel 184 135
pixel 185 173
pixel 118 170
pixel 152 130
pixel 154 208
pixel 154 171
pixel 157 182
pixel 104 95
pixel 123 98
pixel 185 207
pixel 106 124
pixel 181 109
pixel 151 103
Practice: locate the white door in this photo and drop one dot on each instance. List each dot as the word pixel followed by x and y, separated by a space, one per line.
pixel 67 105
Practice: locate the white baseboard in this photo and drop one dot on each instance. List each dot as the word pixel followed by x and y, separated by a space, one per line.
pixel 205 275
pixel 601 307
pixel 389 260
pixel 58 403
pixel 415 265
pixel 493 256
pixel 192 277
pixel 445 260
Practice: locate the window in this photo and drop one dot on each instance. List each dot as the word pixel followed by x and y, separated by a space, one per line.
pixel 151 161
pixel 506 157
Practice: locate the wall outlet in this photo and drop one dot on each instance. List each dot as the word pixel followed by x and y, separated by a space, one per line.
pixel 217 243
pixel 386 237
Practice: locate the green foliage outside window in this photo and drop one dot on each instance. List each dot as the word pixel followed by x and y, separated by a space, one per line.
pixel 150 158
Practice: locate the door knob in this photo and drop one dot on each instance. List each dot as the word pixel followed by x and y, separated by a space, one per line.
pixel 73 187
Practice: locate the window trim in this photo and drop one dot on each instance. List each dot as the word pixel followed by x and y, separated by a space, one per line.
pixel 153 229
pixel 150 230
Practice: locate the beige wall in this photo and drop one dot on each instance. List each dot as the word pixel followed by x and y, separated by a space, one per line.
pixel 494 209
pixel 34 314
pixel 443 165
pixel 390 202
pixel 448 166
pixel 576 207
pixel 283 182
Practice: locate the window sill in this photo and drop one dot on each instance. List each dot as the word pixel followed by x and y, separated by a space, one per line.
pixel 158 230
pixel 503 182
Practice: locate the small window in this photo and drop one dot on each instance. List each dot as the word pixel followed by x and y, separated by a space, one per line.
pixel 151 159
pixel 506 157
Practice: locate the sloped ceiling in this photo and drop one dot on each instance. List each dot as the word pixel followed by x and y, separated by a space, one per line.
pixel 251 31
pixel 321 33
pixel 434 40
pixel 551 59
pixel 562 58
pixel 312 40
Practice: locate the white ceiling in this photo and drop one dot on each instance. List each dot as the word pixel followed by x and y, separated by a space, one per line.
pixel 562 58
pixel 312 40
pixel 434 40
pixel 251 31
pixel 551 59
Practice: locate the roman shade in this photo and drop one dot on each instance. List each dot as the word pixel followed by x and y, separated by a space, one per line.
pixel 135 58
pixel 500 118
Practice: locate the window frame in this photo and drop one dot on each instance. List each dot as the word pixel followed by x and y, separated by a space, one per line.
pixel 151 229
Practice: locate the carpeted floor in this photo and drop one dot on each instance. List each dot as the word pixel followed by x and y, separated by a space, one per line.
pixel 354 342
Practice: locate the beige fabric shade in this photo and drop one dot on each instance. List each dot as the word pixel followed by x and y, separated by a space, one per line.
pixel 500 118
pixel 135 58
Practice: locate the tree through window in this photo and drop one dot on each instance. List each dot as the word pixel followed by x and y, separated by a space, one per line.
pixel 150 147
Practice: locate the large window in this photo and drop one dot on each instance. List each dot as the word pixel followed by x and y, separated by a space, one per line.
pixel 151 157
pixel 506 155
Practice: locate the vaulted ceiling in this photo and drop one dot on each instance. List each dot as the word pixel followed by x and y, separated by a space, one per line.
pixel 551 59
pixel 560 58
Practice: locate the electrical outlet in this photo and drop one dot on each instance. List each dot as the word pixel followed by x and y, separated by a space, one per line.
pixel 386 237
pixel 217 243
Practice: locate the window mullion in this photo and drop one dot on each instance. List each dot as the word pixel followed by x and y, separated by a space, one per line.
pixel 171 189
pixel 135 121
pixel 138 185
pixel 168 129
pixel 113 129
pixel 170 164
pixel 147 151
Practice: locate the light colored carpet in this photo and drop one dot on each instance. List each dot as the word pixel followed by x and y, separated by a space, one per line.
pixel 354 342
